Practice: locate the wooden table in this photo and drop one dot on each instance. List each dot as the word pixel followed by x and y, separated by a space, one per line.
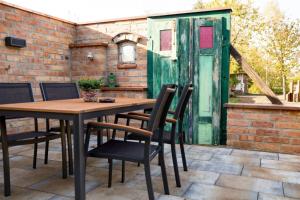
pixel 77 111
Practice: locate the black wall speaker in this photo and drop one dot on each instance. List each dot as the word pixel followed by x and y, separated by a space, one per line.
pixel 15 42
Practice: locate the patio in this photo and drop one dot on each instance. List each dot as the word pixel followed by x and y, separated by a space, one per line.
pixel 214 173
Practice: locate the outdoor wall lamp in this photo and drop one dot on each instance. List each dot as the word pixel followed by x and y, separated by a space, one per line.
pixel 90 56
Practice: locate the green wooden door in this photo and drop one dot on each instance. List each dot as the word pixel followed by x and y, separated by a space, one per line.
pixel 162 42
pixel 194 55
pixel 207 54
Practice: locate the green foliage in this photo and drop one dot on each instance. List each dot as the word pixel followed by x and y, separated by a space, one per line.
pixel 87 84
pixel 253 89
pixel 233 81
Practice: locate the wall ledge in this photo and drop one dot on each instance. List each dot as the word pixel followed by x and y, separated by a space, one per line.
pixel 263 106
pixel 83 45
pixel 129 88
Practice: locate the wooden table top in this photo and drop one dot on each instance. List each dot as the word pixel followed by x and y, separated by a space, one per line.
pixel 75 106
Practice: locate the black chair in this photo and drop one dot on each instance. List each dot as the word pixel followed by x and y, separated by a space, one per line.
pixel 169 137
pixel 21 93
pixel 60 91
pixel 133 151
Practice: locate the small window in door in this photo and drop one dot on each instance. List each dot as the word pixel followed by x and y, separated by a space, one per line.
pixel 166 40
pixel 206 34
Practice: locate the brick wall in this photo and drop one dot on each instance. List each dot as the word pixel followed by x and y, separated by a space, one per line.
pixel 267 128
pixel 104 32
pixel 46 57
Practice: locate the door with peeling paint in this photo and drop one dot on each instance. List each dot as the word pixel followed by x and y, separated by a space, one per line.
pixel 207 54
pixel 163 47
pixel 185 50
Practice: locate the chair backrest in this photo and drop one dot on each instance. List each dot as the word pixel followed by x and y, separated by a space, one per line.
pixel 59 91
pixel 161 107
pixel 15 93
pixel 183 101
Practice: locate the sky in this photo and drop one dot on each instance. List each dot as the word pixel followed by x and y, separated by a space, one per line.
pixel 93 10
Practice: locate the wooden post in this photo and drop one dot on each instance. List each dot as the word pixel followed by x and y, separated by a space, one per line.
pixel 290 95
pixel 254 76
pixel 296 96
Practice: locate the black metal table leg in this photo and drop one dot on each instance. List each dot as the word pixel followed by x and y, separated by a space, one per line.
pixel 79 159
pixel 6 169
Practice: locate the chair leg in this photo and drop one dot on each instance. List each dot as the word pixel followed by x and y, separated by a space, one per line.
pixel 46 152
pixel 87 142
pixel 70 148
pixel 6 169
pixel 107 130
pixel 63 150
pixel 34 155
pixel 123 171
pixel 115 131
pixel 163 172
pixel 99 133
pixel 110 161
pixel 181 141
pixel 148 180
pixel 175 165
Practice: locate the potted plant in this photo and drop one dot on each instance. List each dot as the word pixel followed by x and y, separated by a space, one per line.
pixel 90 88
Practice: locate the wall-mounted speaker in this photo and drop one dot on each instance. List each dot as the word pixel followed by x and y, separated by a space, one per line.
pixel 15 42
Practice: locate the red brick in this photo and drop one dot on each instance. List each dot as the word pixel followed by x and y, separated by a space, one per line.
pixel 256 116
pixel 295 141
pixel 233 115
pixel 291 133
pixel 287 125
pixel 293 149
pixel 13 17
pixel 263 124
pixel 267 132
pixel 267 147
pixel 242 123
pixel 276 140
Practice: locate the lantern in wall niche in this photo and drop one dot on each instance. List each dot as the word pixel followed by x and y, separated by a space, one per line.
pixel 127 55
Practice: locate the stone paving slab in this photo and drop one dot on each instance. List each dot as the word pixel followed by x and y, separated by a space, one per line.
pixel 117 193
pixel 64 187
pixel 25 193
pixel 209 149
pixel 281 164
pixel 262 196
pixel 272 174
pixel 217 167
pixel 289 158
pixel 213 173
pixel 291 190
pixel 229 159
pixel 251 184
pixel 199 191
pixel 255 154
pixel 57 197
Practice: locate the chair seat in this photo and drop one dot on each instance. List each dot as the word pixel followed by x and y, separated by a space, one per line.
pixel 123 150
pixel 29 135
pixel 166 137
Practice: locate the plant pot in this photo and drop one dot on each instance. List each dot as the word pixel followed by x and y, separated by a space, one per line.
pixel 90 95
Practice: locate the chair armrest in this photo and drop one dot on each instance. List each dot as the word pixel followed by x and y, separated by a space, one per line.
pixel 120 127
pixel 135 117
pixel 170 120
pixel 171 112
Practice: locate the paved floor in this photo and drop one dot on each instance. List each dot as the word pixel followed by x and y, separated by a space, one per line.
pixel 214 173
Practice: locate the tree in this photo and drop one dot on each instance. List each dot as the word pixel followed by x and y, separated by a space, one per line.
pixel 282 44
